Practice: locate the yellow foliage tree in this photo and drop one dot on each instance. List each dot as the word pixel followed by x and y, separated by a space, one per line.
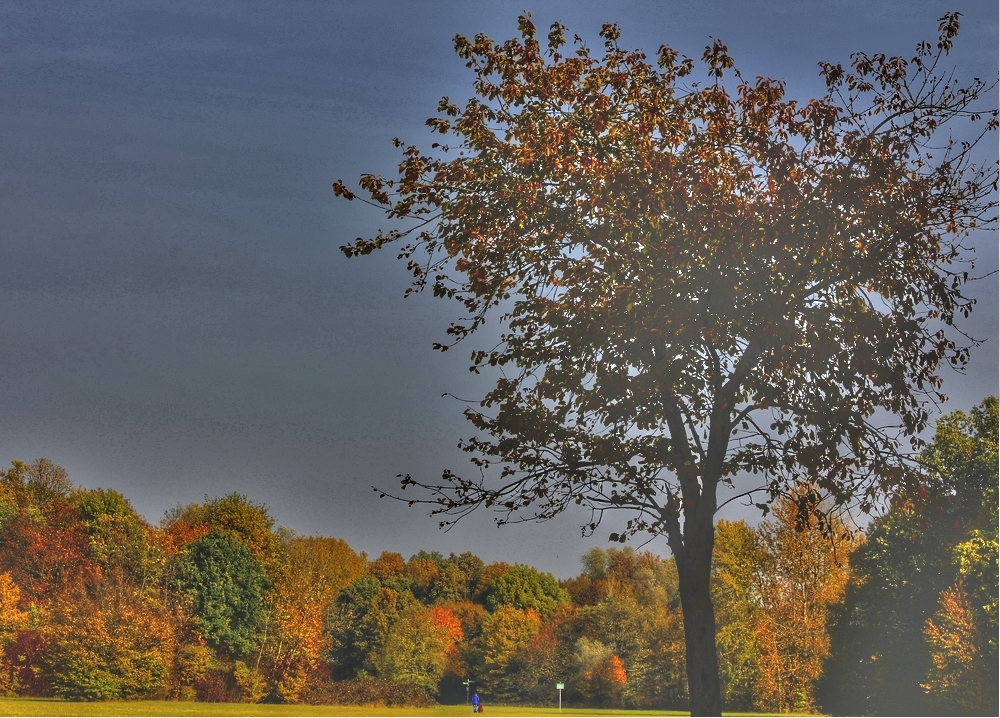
pixel 737 562
pixel 506 632
pixel 416 649
pixel 312 573
pixel 12 620
pixel 117 647
pixel 805 571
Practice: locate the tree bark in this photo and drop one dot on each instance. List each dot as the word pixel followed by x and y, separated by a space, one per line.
pixel 694 568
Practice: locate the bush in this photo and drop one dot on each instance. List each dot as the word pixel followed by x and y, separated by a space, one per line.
pixel 367 691
pixel 22 674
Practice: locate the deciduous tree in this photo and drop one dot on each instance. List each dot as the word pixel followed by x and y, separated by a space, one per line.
pixel 737 566
pixel 119 537
pixel 692 280
pixel 605 680
pixel 23 664
pixel 41 481
pixel 525 587
pixel 507 633
pixel 459 577
pixel 47 552
pixel 12 620
pixel 312 573
pixel 637 617
pixel 236 516
pixel 423 573
pixel 116 648
pixel 962 678
pixel 360 621
pixel 803 574
pixel 387 566
pixel 962 634
pixel 416 649
pixel 879 655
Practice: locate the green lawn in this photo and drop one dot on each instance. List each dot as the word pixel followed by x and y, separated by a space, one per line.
pixel 47 707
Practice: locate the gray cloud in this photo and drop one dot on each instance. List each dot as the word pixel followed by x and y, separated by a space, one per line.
pixel 175 317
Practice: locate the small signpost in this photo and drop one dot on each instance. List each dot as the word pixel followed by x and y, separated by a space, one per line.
pixel 466 683
pixel 559 687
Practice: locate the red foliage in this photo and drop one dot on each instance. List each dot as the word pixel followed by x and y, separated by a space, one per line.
pixel 606 680
pixel 48 556
pixel 446 618
pixel 452 624
pixel 216 686
pixel 21 663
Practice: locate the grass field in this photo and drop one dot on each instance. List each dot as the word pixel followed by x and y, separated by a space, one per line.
pixel 47 707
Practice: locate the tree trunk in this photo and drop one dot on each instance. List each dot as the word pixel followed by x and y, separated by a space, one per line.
pixel 694 568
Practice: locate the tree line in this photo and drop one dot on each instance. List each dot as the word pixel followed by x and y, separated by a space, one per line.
pixel 216 603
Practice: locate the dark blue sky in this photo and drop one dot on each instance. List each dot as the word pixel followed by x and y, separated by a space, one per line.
pixel 175 316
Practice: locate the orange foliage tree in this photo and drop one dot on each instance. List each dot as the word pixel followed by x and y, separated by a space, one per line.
pixel 959 677
pixel 962 634
pixel 774 589
pixel 313 570
pixel 466 652
pixel 48 553
pixel 445 618
pixel 606 679
pixel 12 620
pixel 388 565
pixel 802 573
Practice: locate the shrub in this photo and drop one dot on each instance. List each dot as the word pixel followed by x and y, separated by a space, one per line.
pixel 367 691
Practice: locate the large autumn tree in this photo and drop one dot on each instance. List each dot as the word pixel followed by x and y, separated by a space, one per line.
pixel 693 280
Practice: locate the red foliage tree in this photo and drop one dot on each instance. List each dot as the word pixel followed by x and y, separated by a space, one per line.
pixel 23 664
pixel 48 555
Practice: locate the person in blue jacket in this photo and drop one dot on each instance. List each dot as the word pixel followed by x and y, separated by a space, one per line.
pixel 475 702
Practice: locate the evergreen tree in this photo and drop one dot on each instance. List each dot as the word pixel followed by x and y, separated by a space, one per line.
pixel 227 586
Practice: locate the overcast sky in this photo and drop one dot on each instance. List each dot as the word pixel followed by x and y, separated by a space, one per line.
pixel 175 316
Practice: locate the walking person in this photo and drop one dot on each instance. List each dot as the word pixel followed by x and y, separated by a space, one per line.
pixel 475 702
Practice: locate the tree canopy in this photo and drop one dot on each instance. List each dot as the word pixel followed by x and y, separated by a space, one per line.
pixel 693 279
pixel 525 587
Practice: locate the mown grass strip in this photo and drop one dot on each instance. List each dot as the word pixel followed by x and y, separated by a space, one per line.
pixel 48 707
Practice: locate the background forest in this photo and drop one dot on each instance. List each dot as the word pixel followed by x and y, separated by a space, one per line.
pixel 217 604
